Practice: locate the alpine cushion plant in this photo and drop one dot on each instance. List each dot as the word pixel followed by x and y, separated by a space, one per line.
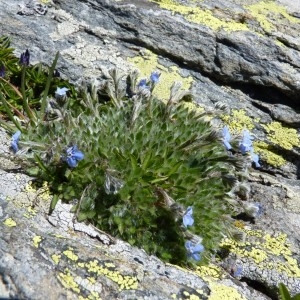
pixel 151 173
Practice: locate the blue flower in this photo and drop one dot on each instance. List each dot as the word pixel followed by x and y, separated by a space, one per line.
pixel 237 271
pixel 226 138
pixel 246 143
pixel 143 84
pixel 188 219
pixel 61 92
pixel 15 141
pixel 154 77
pixel 25 58
pixel 194 250
pixel 255 159
pixel 73 156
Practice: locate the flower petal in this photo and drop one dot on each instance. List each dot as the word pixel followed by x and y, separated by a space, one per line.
pixel 198 248
pixel 78 155
pixel 16 136
pixel 72 162
pixel 196 256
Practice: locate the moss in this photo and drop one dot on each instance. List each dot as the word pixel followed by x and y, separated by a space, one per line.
pixel 201 16
pixel 10 222
pixel 148 62
pixel 238 120
pixel 285 137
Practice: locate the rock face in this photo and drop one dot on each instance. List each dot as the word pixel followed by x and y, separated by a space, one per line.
pixel 244 54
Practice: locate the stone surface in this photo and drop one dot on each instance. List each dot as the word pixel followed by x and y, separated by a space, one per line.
pixel 244 54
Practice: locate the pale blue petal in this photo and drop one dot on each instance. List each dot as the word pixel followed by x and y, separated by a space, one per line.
pixel 78 155
pixel 72 162
pixel 196 256
pixel 198 248
pixel 14 146
pixel 188 246
pixel 16 136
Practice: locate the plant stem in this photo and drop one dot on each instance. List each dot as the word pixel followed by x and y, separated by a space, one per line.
pixel 25 100
pixel 46 91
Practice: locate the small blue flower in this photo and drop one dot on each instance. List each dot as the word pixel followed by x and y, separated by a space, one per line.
pixel 61 92
pixel 226 138
pixel 194 250
pixel 25 58
pixel 154 77
pixel 143 84
pixel 259 209
pixel 255 159
pixel 73 156
pixel 15 141
pixel 188 219
pixel 246 143
pixel 237 271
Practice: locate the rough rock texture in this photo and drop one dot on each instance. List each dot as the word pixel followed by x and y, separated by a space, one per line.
pixel 245 54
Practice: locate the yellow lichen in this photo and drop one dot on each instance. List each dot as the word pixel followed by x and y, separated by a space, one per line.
pixel 125 282
pixel 201 16
pixel 221 291
pixel 210 270
pixel 68 281
pixel 36 241
pixel 266 153
pixel 264 250
pixel 10 222
pixel 285 137
pixel 56 258
pixel 71 255
pixel 31 212
pixel 239 224
pixel 267 13
pixel 148 62
pixel 238 120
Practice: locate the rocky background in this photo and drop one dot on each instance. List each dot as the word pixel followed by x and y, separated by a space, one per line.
pixel 243 54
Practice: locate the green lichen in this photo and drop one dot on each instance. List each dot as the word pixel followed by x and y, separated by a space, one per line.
pixel 148 62
pixel 201 16
pixel 283 136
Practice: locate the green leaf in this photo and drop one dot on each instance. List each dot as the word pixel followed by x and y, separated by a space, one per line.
pixel 284 293
pixel 53 202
